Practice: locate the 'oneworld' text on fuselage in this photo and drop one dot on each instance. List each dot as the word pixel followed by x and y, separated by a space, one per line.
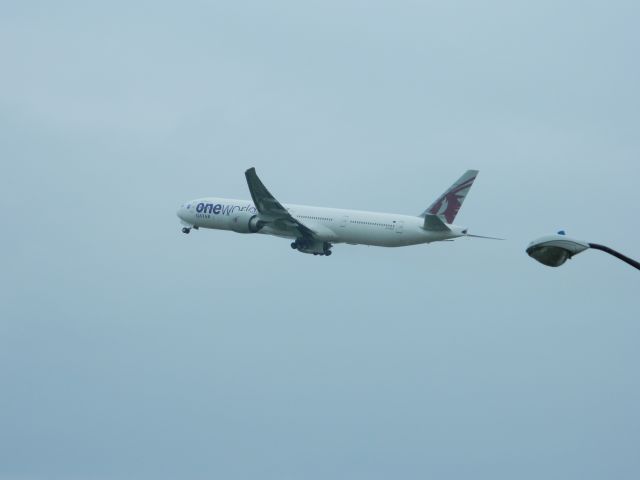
pixel 205 210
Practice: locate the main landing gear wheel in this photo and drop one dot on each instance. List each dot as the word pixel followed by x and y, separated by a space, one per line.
pixel 186 230
pixel 294 245
pixel 328 252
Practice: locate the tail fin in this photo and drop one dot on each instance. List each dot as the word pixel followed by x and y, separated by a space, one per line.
pixel 450 201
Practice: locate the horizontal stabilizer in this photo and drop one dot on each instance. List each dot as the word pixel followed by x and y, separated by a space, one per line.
pixel 482 236
pixel 434 223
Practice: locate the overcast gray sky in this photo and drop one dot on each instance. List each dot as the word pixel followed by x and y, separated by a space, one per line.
pixel 131 351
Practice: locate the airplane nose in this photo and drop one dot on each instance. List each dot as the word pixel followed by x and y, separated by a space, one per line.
pixel 180 212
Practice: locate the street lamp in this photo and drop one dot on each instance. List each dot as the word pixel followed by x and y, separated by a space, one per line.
pixel 554 250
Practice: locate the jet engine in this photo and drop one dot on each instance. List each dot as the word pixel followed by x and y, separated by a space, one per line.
pixel 247 225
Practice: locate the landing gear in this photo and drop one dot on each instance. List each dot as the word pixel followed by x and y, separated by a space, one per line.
pixel 186 230
pixel 310 246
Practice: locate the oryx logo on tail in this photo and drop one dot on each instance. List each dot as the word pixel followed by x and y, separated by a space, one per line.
pixel 449 203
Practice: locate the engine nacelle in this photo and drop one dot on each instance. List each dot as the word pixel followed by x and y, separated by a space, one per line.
pixel 242 224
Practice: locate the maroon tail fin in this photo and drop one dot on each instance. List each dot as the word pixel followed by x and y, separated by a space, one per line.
pixel 449 203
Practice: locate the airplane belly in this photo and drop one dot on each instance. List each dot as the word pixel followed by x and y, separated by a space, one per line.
pixel 382 237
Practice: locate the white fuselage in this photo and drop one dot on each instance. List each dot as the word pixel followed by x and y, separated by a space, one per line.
pixel 329 224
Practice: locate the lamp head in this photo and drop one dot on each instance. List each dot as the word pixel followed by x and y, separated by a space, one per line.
pixel 554 250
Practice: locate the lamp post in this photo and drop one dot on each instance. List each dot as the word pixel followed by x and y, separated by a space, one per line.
pixel 554 250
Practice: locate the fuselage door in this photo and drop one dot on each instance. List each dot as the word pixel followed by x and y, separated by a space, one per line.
pixel 344 220
pixel 399 226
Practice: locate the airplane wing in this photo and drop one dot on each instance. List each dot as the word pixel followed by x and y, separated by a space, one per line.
pixel 271 210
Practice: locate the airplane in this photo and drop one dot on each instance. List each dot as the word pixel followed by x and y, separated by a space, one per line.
pixel 315 230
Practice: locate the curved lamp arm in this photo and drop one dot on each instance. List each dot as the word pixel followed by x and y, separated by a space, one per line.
pixel 618 255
